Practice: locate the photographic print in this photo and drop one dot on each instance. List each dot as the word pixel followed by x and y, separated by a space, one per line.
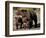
pixel 24 18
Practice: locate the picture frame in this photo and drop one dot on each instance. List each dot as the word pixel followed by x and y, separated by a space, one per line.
pixel 10 6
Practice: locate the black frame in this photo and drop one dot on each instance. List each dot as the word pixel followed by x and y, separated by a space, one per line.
pixel 7 18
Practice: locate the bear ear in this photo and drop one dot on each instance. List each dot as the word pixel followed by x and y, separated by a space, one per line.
pixel 25 10
pixel 34 8
pixel 22 10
